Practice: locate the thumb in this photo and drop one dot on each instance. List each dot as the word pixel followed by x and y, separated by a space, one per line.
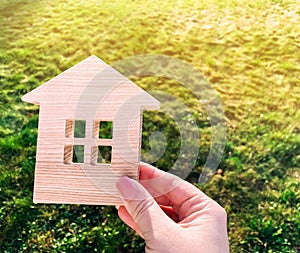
pixel 142 207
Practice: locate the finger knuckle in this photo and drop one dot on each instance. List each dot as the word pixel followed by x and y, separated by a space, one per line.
pixel 142 208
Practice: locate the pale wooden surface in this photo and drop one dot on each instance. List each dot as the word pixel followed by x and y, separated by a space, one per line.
pixel 91 91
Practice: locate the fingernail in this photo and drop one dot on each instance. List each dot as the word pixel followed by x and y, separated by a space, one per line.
pixel 127 187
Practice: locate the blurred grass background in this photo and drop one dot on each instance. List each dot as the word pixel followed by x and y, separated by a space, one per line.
pixel 249 52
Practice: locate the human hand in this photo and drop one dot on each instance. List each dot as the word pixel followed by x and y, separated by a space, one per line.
pixel 171 214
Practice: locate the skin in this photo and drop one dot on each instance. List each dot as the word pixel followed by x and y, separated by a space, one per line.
pixel 171 214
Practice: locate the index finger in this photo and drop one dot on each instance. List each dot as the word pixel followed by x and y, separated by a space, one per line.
pixel 168 189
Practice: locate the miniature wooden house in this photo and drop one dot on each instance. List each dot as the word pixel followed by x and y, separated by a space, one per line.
pixel 77 161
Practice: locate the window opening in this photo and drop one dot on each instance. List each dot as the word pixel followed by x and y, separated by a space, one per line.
pixel 105 130
pixel 79 128
pixel 78 154
pixel 104 154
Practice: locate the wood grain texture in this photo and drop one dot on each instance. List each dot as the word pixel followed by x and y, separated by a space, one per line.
pixel 88 93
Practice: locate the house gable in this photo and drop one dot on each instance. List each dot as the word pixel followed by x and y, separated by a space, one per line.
pixel 91 76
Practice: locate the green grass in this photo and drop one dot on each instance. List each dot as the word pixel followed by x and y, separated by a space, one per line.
pixel 249 51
